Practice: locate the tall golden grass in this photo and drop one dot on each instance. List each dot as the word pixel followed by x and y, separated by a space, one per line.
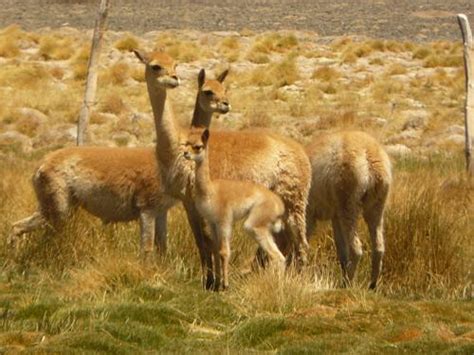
pixel 428 234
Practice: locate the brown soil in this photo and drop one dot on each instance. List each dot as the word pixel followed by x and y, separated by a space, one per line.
pixel 418 20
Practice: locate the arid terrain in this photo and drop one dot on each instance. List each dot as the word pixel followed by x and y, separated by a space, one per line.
pixel 299 70
pixel 402 20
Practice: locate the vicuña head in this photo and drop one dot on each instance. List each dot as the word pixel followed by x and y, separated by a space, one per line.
pixel 212 95
pixel 196 144
pixel 160 69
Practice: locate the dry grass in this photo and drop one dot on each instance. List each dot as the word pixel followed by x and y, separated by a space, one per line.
pixel 65 287
pixel 127 43
pixel 277 74
pixel 55 47
pixel 326 74
pixel 265 45
pixel 230 48
pixel 112 103
pixel 8 48
pixel 117 74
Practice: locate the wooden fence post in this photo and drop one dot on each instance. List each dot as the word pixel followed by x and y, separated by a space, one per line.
pixel 469 105
pixel 91 82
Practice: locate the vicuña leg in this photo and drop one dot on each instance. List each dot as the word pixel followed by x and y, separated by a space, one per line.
pixel 373 216
pixel 161 232
pixel 259 229
pixel 352 245
pixel 26 225
pixel 224 234
pixel 342 249
pixel 216 245
pixel 204 243
pixel 147 235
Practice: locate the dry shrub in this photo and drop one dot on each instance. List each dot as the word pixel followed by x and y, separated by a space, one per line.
pixel 230 48
pixel 428 234
pixel 396 69
pixel 232 43
pixel 385 90
pixel 422 52
pixel 56 47
pixel 434 61
pixel 112 103
pixel 355 50
pixel 277 74
pixel 258 58
pixel 326 73
pixel 79 63
pixel 256 115
pixel 12 38
pixel 117 74
pixel 376 61
pixel 24 76
pixel 127 43
pixel 8 48
pixel 266 44
pixel 180 50
pixel 388 45
pixel 340 43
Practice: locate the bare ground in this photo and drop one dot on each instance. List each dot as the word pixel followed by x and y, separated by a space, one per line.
pixel 420 20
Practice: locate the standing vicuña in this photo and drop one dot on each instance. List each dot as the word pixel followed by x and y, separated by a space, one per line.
pixel 276 162
pixel 222 202
pixel 114 184
pixel 350 173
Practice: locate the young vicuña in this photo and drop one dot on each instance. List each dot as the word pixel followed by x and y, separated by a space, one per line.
pixel 222 202
pixel 351 173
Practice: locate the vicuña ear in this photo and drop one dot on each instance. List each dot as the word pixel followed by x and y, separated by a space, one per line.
pixel 205 136
pixel 201 77
pixel 222 76
pixel 141 55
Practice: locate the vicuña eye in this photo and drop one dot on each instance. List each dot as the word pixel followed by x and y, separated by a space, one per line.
pixel 208 93
pixel 156 67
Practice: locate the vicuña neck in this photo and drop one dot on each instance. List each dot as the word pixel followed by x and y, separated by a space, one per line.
pixel 201 118
pixel 203 183
pixel 167 136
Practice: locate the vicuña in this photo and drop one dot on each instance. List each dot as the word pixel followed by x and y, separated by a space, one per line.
pixel 351 173
pixel 114 184
pixel 222 202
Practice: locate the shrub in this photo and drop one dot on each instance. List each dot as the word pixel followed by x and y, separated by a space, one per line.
pixel 56 47
pixel 127 43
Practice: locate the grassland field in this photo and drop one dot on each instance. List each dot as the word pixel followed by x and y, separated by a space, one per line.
pixel 84 289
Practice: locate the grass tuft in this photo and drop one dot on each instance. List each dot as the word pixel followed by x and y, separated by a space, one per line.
pixel 127 43
pixel 56 47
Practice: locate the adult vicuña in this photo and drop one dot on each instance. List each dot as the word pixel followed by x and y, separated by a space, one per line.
pixel 266 158
pixel 222 202
pixel 114 184
pixel 351 173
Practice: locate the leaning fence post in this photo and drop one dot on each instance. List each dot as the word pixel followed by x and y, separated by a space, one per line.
pixel 91 82
pixel 469 104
